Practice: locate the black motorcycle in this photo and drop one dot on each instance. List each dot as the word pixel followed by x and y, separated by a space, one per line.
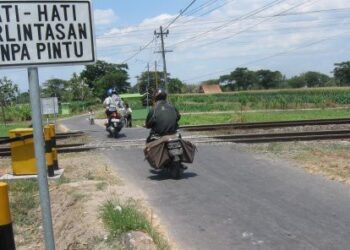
pixel 168 153
pixel 175 150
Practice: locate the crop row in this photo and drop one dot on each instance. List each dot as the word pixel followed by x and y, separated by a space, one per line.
pixel 283 99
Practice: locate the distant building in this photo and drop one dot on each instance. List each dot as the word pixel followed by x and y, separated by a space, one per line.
pixel 210 89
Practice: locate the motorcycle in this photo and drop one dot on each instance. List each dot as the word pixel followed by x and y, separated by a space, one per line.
pixel 114 124
pixel 167 154
pixel 175 150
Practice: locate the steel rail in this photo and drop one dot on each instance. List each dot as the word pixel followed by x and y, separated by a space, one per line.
pixel 257 125
pixel 232 138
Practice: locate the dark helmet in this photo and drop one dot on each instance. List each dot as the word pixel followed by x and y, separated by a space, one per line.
pixel 114 91
pixel 160 94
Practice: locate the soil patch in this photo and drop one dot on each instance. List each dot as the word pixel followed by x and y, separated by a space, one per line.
pixel 76 200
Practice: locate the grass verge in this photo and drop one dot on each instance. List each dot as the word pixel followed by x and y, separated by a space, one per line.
pixel 4 130
pixel 125 217
pixel 328 158
pixel 24 203
pixel 263 116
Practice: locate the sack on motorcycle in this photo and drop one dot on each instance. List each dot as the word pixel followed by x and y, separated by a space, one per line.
pixel 156 153
pixel 189 151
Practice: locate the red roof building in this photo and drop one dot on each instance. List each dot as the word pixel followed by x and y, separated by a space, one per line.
pixel 210 89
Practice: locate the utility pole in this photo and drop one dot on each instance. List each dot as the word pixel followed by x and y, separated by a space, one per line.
pixel 156 73
pixel 147 88
pixel 163 51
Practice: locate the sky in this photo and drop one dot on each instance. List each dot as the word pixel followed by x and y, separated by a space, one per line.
pixel 213 37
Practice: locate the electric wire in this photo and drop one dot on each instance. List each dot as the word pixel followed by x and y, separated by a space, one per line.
pixel 180 14
pixel 258 23
pixel 307 45
pixel 236 19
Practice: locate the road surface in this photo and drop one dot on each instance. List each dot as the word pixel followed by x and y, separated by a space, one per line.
pixel 232 199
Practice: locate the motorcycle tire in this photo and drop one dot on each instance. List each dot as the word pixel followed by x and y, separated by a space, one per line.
pixel 176 171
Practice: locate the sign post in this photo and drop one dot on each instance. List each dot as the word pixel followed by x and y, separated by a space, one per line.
pixel 39 147
pixel 42 33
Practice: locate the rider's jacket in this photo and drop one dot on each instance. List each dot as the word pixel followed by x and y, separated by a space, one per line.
pixel 113 103
pixel 163 119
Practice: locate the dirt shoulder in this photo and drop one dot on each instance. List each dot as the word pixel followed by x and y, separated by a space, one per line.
pixel 76 201
pixel 328 158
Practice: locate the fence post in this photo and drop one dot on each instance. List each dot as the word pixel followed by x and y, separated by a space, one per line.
pixel 7 241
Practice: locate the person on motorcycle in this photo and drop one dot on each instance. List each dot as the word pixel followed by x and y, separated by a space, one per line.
pixel 163 118
pixel 113 102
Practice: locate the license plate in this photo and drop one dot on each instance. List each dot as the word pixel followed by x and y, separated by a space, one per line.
pixel 174 148
pixel 115 120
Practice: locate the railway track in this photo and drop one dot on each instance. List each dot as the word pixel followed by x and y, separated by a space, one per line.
pixel 262 125
pixel 230 138
pixel 237 138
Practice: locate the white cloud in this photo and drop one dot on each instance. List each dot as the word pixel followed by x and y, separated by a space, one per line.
pixel 238 42
pixel 104 17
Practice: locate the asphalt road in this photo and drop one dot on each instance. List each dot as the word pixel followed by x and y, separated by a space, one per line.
pixel 232 199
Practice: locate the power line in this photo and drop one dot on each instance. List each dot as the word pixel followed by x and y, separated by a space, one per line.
pixel 139 51
pixel 236 19
pixel 180 14
pixel 309 44
pixel 207 12
pixel 258 23
pixel 150 42
pixel 226 20
pixel 202 6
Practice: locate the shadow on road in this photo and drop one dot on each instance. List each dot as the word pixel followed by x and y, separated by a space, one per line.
pixel 161 175
pixel 121 135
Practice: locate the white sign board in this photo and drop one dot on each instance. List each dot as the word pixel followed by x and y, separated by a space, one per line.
pixel 49 106
pixel 34 33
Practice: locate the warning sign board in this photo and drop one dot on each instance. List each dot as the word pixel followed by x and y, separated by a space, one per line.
pixel 49 106
pixel 34 33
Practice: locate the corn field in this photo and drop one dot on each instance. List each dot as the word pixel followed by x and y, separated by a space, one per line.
pixel 277 99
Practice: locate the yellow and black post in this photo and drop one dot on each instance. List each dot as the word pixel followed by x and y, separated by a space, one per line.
pixel 7 241
pixel 48 152
pixel 54 146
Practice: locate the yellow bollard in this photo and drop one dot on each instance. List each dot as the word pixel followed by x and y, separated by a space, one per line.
pixel 54 146
pixel 48 151
pixel 7 241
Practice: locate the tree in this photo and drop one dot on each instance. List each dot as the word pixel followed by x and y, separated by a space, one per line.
pixel 175 86
pixel 78 89
pixel 99 77
pixel 211 82
pixel 239 79
pixel 315 79
pixel 342 73
pixel 54 88
pixel 116 79
pixel 297 82
pixel 144 86
pixel 268 79
pixel 8 92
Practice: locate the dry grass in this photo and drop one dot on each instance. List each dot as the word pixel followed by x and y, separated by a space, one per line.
pixel 328 158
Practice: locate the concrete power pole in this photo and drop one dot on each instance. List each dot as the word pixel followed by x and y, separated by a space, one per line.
pixel 147 89
pixel 163 51
pixel 156 73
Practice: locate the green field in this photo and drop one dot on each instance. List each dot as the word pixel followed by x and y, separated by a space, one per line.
pixel 235 103
pixel 237 117
pixel 4 129
pixel 257 100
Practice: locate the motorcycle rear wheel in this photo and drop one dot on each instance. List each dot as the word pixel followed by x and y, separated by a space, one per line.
pixel 176 170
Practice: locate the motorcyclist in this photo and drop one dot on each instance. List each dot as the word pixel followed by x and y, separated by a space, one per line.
pixel 163 118
pixel 113 102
